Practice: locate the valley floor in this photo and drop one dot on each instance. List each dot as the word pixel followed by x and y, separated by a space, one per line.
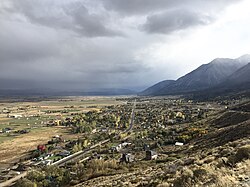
pixel 194 143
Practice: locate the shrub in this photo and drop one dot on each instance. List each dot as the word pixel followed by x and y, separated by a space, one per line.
pixel 25 183
pixel 189 161
pixel 102 165
pixel 199 174
pixel 185 179
pixel 242 154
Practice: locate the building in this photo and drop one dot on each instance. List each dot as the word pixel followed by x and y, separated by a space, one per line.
pixel 6 130
pixel 127 157
pixel 15 116
pixel 178 143
pixel 41 148
pixel 151 155
pixel 46 162
pixel 120 146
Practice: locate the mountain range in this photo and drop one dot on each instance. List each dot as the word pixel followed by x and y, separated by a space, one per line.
pixel 219 74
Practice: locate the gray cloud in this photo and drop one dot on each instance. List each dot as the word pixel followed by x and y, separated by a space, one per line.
pixel 35 56
pixel 72 16
pixel 175 20
pixel 23 42
pixel 87 44
pixel 166 16
pixel 131 7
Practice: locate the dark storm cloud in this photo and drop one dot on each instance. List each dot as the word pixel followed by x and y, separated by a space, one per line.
pixel 175 20
pixel 24 42
pixel 128 7
pixel 73 16
pixel 166 16
pixel 86 44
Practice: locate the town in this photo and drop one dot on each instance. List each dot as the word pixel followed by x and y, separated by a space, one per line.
pixel 85 138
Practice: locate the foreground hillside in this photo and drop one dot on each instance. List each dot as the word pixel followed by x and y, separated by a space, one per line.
pixel 227 165
pixel 220 158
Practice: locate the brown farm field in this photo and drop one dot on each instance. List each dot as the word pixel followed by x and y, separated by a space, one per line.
pixel 34 117
pixel 13 149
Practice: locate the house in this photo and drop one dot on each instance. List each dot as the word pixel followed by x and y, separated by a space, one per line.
pixel 5 111
pixel 151 155
pixel 120 146
pixel 41 148
pixel 113 149
pixel 64 153
pixel 15 116
pixel 125 144
pixel 6 130
pixel 178 143
pixel 46 162
pixel 127 157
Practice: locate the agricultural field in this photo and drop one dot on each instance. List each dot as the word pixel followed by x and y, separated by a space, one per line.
pixel 25 124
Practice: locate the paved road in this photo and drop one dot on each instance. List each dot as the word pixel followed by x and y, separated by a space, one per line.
pixel 79 154
pixel 13 180
pixel 132 118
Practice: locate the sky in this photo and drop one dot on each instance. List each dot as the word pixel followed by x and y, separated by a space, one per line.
pixel 130 44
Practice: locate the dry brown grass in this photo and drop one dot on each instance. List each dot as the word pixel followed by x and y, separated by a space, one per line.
pixel 99 165
pixel 208 175
pixel 3 119
pixel 12 150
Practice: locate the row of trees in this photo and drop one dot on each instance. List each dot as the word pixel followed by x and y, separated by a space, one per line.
pixel 86 123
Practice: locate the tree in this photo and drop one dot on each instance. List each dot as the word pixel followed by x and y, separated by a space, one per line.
pixel 77 147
